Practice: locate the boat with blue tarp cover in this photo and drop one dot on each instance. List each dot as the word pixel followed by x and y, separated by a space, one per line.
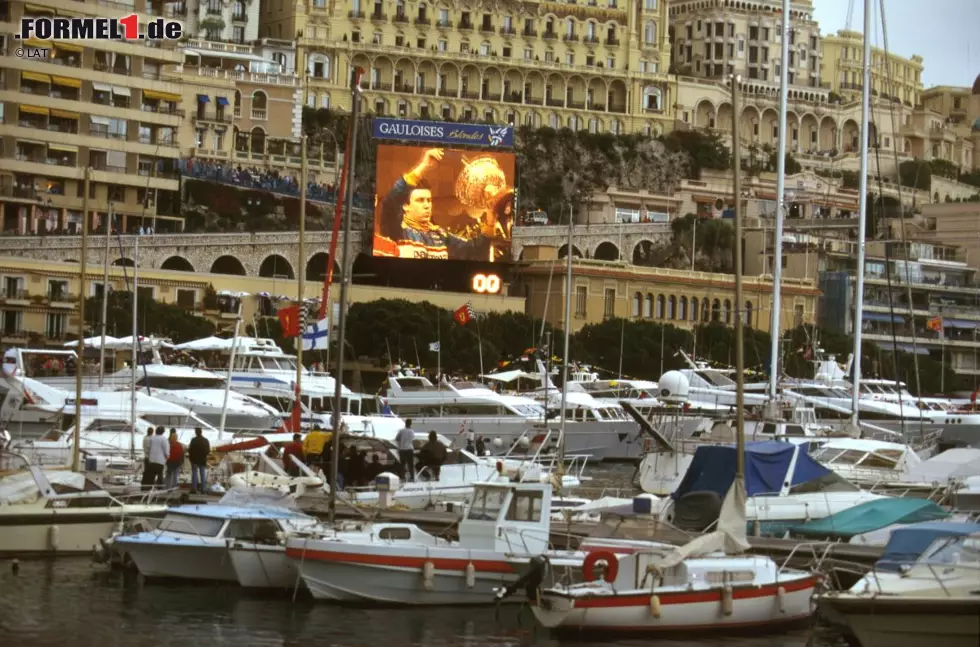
pixel 785 488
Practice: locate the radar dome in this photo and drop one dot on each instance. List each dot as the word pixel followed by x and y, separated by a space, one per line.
pixel 674 386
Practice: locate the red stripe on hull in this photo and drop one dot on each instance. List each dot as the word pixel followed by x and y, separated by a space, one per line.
pixel 743 593
pixel 398 561
pixel 676 629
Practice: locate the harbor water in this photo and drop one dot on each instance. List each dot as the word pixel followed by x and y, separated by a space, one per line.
pixel 50 603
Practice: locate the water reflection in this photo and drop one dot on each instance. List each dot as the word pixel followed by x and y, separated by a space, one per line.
pixel 69 601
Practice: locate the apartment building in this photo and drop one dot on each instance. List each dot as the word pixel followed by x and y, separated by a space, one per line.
pixel 893 77
pixel 107 105
pixel 606 289
pixel 716 40
pixel 943 289
pixel 217 20
pixel 599 65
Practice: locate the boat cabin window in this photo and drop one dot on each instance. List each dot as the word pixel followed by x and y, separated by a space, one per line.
pixel 525 506
pixel 104 424
pixel 369 407
pixel 260 531
pixel 64 488
pixel 395 534
pixel 180 383
pixel 280 404
pixel 414 384
pixel 83 502
pixel 715 378
pixel 882 459
pixel 768 428
pixel 186 524
pixel 163 420
pixel 464 384
pixel 487 503
pixel 354 407
pixel 794 430
pixel 952 551
pixel 837 455
pixel 830 482
pixel 268 363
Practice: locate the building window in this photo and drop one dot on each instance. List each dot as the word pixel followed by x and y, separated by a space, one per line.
pixel 609 303
pixel 694 308
pixel 55 326
pixel 238 34
pixel 637 304
pixel 682 313
pixel 186 298
pixel 748 314
pixel 581 299
pixel 661 303
pixel 648 306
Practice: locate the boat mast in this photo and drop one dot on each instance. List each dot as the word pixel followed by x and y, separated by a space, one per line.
pixel 133 350
pixel 777 245
pixel 345 276
pixel 739 297
pixel 105 296
pixel 297 414
pixel 862 220
pixel 231 368
pixel 568 328
pixel 83 267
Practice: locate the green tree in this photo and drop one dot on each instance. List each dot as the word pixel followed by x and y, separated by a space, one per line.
pixel 706 149
pixel 152 318
pixel 916 174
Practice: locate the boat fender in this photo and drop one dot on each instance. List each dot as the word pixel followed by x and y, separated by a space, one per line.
pixel 53 535
pixel 727 600
pixel 470 575
pixel 428 573
pixel 592 559
pixel 655 606
pixel 781 599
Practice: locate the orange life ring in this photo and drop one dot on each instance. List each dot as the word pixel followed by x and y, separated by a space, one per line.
pixel 612 565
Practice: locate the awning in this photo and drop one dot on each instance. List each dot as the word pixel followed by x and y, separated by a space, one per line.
pixel 66 82
pixel 101 87
pixel 64 148
pixel 912 350
pixel 68 47
pixel 162 96
pixel 35 76
pixel 64 114
pixel 123 92
pixel 96 119
pixel 34 110
pixel 203 98
pixel 880 316
pixel 961 323
pixel 222 101
pixel 38 9
pixel 37 42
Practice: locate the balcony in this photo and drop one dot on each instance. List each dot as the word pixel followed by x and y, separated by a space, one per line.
pixel 555 103
pixel 259 114
pixel 534 101
pixel 101 165
pixel 612 41
pixel 508 31
pixel 444 24
pixel 355 15
pixel 570 38
pixel 549 35
pixel 214 11
pixel 401 18
pixel 427 91
pixel 103 67
pixel 18 294
pixel 383 87
pixel 61 298
pixel 447 92
pixel 486 28
pixel 466 94
pixel 211 117
pixel 423 20
pixel 530 33
pixel 465 25
pixel 241 18
pixel 379 16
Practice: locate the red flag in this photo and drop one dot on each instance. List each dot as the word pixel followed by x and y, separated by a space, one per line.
pixel 463 314
pixel 289 320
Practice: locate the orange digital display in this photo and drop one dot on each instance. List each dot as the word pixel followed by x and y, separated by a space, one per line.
pixel 443 203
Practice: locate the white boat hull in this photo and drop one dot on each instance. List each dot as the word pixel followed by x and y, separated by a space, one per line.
pixel 903 621
pixel 181 561
pixel 263 567
pixel 752 606
pixel 44 534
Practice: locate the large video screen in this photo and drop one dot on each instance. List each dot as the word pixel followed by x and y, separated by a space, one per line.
pixel 443 203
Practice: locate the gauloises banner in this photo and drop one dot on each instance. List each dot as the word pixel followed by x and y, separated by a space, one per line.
pixel 439 132
pixel 443 203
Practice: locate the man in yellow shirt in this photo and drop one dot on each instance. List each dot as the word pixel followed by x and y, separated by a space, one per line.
pixel 314 445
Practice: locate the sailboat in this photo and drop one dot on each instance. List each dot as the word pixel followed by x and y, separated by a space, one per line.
pixel 708 583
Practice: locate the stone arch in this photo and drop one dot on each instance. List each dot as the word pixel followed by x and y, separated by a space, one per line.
pixel 653 98
pixel 704 113
pixel 257 140
pixel 750 123
pixel 850 136
pixel 360 269
pixel 177 263
pixel 563 251
pixel 616 96
pixel 606 251
pixel 828 133
pixel 228 264
pixel 260 100
pixel 643 252
pixel 769 124
pixel 276 266
pixel 128 262
pixel 316 267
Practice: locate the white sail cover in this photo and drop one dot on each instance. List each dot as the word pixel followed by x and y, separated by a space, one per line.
pixel 729 537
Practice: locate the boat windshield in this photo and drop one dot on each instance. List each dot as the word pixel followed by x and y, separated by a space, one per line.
pixel 830 482
pixel 186 524
pixel 487 503
pixel 953 551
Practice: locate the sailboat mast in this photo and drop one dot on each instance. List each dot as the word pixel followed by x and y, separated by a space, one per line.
pixel 301 288
pixel 83 268
pixel 345 277
pixel 568 329
pixel 777 244
pixel 231 369
pixel 105 296
pixel 739 296
pixel 134 360
pixel 862 216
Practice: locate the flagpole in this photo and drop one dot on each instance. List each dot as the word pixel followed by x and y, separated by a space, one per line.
pixel 301 287
pixel 439 352
pixel 479 341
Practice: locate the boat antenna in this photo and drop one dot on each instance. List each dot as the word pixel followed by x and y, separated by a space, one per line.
pixel 82 291
pixel 568 328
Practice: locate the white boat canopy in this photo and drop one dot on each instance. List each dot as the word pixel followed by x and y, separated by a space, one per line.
pixel 125 343
pixel 94 342
pixel 510 376
pixel 207 343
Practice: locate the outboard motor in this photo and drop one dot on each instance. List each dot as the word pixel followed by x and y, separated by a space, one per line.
pixel 530 581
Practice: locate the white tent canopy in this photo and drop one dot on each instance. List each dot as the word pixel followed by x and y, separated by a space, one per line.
pixel 207 343
pixel 126 343
pixel 510 376
pixel 94 342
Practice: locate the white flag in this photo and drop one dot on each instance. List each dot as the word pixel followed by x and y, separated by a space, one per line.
pixel 434 347
pixel 317 335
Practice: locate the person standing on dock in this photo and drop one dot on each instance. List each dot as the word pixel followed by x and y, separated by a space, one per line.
pixel 313 447
pixel 147 472
pixel 294 448
pixel 198 451
pixel 405 440
pixel 159 452
pixel 433 455
pixel 175 459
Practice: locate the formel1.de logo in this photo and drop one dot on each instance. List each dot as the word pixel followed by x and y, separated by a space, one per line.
pixel 91 28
